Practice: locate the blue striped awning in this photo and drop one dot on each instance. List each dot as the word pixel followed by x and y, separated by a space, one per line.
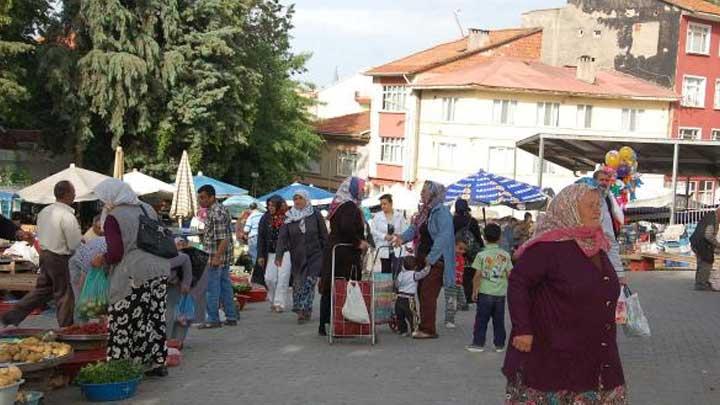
pixel 483 188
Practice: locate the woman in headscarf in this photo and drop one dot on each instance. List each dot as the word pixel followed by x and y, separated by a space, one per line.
pixel 562 295
pixel 467 229
pixel 304 236
pixel 138 281
pixel 347 226
pixel 277 278
pixel 433 230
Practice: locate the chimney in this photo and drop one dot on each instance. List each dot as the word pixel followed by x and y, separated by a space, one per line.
pixel 586 69
pixel 477 39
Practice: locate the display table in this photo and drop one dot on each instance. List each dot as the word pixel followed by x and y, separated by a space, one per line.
pixel 18 276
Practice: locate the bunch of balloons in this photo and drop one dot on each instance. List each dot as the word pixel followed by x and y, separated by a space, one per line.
pixel 624 163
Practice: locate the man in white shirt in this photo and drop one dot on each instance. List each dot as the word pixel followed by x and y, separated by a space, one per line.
pixel 384 225
pixel 59 235
pixel 252 225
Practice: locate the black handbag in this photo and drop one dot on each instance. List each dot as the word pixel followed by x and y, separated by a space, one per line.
pixel 154 238
pixel 199 261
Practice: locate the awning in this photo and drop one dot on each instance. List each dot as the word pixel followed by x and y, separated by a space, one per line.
pixel 655 155
pixel 222 189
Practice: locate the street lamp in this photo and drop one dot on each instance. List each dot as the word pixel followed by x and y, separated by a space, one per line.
pixel 254 176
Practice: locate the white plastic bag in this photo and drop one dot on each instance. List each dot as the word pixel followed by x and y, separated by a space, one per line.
pixel 354 309
pixel 637 324
pixel 24 251
pixel 621 309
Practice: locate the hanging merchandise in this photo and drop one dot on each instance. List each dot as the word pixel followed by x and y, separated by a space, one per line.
pixel 623 164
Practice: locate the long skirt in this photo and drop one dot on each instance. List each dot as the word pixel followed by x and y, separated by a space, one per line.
pixel 518 394
pixel 304 296
pixel 137 325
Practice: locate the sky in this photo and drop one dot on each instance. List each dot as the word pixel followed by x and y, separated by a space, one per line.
pixel 354 35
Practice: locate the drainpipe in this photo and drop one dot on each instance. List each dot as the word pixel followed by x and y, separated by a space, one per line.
pixel 416 136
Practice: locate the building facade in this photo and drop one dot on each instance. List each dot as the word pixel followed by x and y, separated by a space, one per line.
pixel 347 96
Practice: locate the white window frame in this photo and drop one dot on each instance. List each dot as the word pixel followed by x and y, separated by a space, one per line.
pixel 443 162
pixel 341 158
pixel 715 134
pixel 506 107
pixel 696 138
pixel 542 114
pixel 689 42
pixel 706 195
pixel 584 112
pixel 394 98
pixel 703 91
pixel 631 124
pixel 392 150
pixel 494 151
pixel 717 94
pixel 449 106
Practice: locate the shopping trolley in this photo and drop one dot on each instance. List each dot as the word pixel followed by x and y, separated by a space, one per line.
pixel 339 326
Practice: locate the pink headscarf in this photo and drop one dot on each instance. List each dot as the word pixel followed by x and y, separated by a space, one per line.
pixel 562 223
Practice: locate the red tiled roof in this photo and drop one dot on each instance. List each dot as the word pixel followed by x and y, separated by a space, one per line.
pixel 700 6
pixel 351 124
pixel 447 52
pixel 529 76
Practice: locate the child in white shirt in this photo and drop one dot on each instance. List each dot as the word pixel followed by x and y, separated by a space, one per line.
pixel 406 284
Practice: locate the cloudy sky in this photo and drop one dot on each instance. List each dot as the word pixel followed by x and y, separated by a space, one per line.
pixel 353 35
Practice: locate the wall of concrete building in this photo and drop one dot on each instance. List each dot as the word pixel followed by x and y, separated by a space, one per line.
pixel 638 37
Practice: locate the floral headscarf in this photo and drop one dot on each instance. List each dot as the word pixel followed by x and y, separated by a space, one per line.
pixel 278 219
pixel 562 223
pixel 350 190
pixel 296 215
pixel 435 197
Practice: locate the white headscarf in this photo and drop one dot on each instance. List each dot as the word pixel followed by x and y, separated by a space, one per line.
pixel 114 193
pixel 296 215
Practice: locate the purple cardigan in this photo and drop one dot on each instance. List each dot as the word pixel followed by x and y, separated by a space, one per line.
pixel 560 297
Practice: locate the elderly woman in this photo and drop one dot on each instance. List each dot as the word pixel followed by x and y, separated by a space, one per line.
pixel 277 278
pixel 304 235
pixel 562 295
pixel 347 226
pixel 80 264
pixel 138 281
pixel 432 230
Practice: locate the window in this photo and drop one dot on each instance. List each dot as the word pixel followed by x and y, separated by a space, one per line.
pixel 394 98
pixel 501 159
pixel 584 116
pixel 347 163
pixel 445 154
pixel 690 134
pixel 504 111
pixel 448 108
pixel 631 119
pixel 391 150
pixel 717 94
pixel 705 192
pixel 548 114
pixel 693 93
pixel 715 133
pixel 698 39
pixel 597 33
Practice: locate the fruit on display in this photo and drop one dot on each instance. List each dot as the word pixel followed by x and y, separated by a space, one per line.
pixel 9 376
pixel 32 350
pixel 93 328
pixel 91 309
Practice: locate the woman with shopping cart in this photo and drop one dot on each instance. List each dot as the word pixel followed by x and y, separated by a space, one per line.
pixel 433 234
pixel 347 226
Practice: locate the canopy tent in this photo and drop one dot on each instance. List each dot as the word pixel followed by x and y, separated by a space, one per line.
pixel 222 189
pixel 184 203
pixel 83 180
pixel 483 188
pixel 237 204
pixel 403 198
pixel 147 186
pixel 673 157
pixel 318 196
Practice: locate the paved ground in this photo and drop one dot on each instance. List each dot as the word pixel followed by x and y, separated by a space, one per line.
pixel 271 360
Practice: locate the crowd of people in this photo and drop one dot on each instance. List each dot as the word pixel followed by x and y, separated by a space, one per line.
pixel 559 277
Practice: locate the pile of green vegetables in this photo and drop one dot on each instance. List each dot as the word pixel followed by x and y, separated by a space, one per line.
pixel 241 288
pixel 113 371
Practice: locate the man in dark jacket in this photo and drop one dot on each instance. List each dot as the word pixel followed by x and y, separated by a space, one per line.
pixel 10 231
pixel 704 242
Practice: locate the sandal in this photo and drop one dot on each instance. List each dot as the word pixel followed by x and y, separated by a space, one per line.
pixel 210 325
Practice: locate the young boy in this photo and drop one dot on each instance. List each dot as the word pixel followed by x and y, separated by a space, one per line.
pixel 490 285
pixel 406 284
pixel 455 296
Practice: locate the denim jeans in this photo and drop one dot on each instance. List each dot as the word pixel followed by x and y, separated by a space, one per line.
pixel 490 306
pixel 220 290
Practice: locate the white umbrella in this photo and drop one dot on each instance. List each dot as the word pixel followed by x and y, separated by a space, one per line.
pixel 142 184
pixel 184 204
pixel 83 180
pixel 403 198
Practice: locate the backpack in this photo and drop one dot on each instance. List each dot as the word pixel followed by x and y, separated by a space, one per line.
pixel 474 246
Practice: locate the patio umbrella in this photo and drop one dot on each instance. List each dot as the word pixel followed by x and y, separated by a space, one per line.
pixel 222 189
pixel 184 203
pixel 236 205
pixel 318 196
pixel 119 167
pixel 83 180
pixel 147 186
pixel 483 188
